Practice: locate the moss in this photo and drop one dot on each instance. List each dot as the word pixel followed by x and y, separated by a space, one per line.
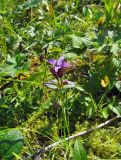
pixel 105 144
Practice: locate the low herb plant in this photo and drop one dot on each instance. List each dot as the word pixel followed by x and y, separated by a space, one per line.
pixel 60 74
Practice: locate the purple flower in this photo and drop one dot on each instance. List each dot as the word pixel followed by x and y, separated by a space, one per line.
pixel 58 66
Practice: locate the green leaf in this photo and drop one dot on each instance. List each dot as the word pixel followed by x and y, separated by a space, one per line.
pixel 115 48
pixel 31 3
pixel 70 56
pixel 105 113
pixel 80 88
pixel 11 141
pixel 79 152
pixel 118 85
pixel 52 84
pixel 6 69
pixel 69 85
pixel 77 41
pixel 80 42
pixel 11 60
pixel 116 108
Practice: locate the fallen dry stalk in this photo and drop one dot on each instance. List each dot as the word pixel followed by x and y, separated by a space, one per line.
pixel 36 156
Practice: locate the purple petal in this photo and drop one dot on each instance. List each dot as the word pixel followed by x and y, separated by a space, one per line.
pixel 62 58
pixel 60 61
pixel 54 73
pixel 65 64
pixel 52 61
pixel 58 74
pixel 56 68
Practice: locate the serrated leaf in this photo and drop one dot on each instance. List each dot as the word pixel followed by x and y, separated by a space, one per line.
pixel 11 141
pixel 77 41
pixel 79 152
pixel 6 69
pixel 115 48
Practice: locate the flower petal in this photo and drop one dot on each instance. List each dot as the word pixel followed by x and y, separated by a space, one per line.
pixel 56 68
pixel 52 61
pixel 65 64
pixel 62 58
pixel 60 73
pixel 60 61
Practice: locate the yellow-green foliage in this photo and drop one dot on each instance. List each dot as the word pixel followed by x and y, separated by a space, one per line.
pixel 38 128
pixel 88 35
pixel 105 144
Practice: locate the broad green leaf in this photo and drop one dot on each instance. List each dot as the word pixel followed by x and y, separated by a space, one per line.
pixel 11 141
pixel 118 85
pixel 52 84
pixel 69 85
pixel 55 49
pixel 105 113
pixel 31 3
pixel 6 69
pixel 79 152
pixel 115 48
pixel 71 55
pixel 119 109
pixel 77 41
pixel 116 108
pixel 108 6
pixel 11 60
pixel 80 88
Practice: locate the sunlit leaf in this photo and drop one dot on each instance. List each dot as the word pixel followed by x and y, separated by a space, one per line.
pixel 80 88
pixel 11 141
pixel 79 152
pixel 116 108
pixel 71 56
pixel 77 41
pixel 118 85
pixel 52 84
pixel 69 85
pixel 101 20
pixel 105 113
pixel 31 3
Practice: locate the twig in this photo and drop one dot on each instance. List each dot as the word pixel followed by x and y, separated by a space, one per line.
pixel 36 156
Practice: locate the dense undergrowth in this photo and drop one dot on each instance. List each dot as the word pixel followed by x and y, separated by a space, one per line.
pixel 60 74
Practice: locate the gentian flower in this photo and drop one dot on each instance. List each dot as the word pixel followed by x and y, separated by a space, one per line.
pixel 59 66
